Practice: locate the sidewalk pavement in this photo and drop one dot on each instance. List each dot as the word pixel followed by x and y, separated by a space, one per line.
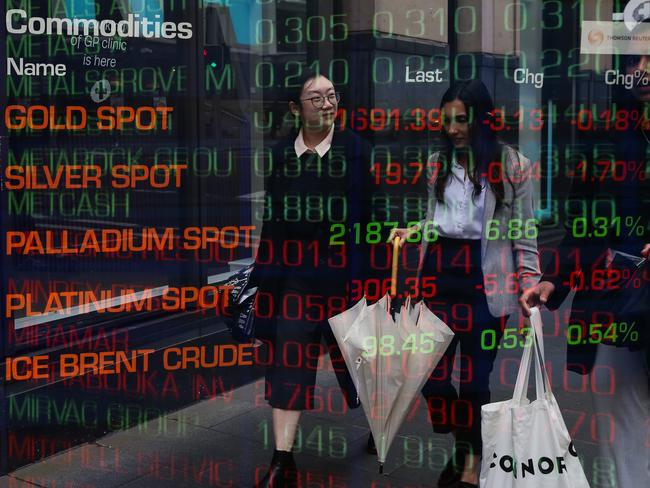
pixel 227 441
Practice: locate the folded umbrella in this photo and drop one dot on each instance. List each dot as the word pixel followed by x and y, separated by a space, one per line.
pixel 389 359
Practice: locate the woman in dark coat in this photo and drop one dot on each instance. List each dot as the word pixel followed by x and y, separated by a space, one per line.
pixel 303 268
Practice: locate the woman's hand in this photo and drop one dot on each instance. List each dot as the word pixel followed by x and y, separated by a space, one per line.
pixel 403 234
pixel 536 296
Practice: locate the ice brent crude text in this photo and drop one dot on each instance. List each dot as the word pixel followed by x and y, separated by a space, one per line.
pixel 75 117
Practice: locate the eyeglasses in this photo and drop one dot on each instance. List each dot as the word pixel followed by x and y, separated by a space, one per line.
pixel 318 102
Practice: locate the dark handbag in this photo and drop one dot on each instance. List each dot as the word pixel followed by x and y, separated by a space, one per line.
pixel 239 315
pixel 627 298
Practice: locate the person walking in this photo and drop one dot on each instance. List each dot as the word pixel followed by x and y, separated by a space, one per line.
pixel 318 179
pixel 479 241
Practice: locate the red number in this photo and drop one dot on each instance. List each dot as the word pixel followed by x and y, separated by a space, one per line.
pixel 470 414
pixel 463 364
pixel 264 305
pixel 298 347
pixel 330 402
pixel 465 317
pixel 313 393
pixel 377 115
pixel 286 254
pixel 434 119
pixel 440 419
pixel 298 300
pixel 312 302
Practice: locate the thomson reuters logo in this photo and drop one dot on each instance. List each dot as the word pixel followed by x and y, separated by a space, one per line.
pixel 595 37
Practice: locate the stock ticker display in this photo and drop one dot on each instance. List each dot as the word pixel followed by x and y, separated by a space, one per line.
pixel 149 154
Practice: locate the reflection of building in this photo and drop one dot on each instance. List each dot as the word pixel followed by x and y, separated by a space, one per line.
pixel 227 86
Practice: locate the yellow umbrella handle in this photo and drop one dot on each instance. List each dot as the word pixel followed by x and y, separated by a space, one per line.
pixel 393 277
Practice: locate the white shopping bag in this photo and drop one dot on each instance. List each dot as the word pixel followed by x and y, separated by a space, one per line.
pixel 526 444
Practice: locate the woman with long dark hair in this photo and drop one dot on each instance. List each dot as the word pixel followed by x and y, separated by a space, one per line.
pixel 318 179
pixel 479 241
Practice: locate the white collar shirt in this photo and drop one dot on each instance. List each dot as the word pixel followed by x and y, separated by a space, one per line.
pixel 322 148
pixel 461 215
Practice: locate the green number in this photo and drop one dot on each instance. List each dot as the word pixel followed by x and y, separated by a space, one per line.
pixel 610 333
pixel 344 208
pixel 419 21
pixel 510 335
pixel 601 225
pixel 333 70
pixel 514 229
pixel 260 30
pixel 344 28
pixel 386 70
pixel 297 443
pixel 335 228
pixel 292 166
pixel 386 345
pixel 414 207
pixel 492 232
pixel 292 206
pixel 579 227
pixel 266 168
pixel 530 230
pixel 337 438
pixel 413 452
pixel 410 344
pixel 426 338
pixel 314 211
pixel 314 165
pixel 519 59
pixel 295 76
pixel 604 472
pixel 558 62
pixel 261 75
pixel 369 345
pixel 264 427
pixel 430 231
pixel 472 73
pixel 321 21
pixel 315 439
pixel 377 19
pixel 472 17
pixel 509 15
pixel 297 21
pixel 574 334
pixel 267 210
pixel 381 206
pixel 553 14
pixel 336 163
pixel 491 336
pixel 416 236
pixel 373 233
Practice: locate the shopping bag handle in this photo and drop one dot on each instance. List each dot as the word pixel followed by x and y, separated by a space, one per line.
pixel 542 383
pixel 393 276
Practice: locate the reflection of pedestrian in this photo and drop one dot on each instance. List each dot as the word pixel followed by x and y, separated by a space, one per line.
pixel 608 201
pixel 485 252
pixel 316 183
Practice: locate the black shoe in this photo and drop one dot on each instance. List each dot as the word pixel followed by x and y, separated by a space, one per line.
pixel 371 448
pixel 282 473
pixel 450 475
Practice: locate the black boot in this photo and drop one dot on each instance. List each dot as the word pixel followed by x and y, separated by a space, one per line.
pixel 450 475
pixel 282 473
pixel 371 448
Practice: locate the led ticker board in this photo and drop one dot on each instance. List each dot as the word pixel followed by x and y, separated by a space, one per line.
pixel 153 149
